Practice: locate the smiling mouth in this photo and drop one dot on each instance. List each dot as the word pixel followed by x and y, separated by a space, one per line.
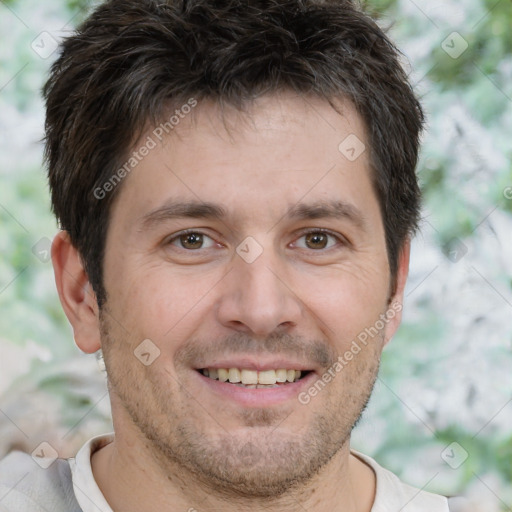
pixel 254 379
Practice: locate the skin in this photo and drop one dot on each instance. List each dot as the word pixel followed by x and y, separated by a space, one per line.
pixel 178 444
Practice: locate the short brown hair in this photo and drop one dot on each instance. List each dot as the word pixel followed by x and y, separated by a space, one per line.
pixel 131 59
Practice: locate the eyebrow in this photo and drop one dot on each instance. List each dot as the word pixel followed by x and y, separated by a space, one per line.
pixel 192 209
pixel 333 209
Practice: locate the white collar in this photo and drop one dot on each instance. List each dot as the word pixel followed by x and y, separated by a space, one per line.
pixel 87 492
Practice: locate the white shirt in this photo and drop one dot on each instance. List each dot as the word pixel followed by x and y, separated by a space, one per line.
pixel 392 495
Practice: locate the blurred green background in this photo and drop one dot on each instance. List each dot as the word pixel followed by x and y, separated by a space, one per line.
pixel 446 377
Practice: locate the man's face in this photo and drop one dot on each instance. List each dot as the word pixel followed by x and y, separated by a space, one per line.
pixel 258 288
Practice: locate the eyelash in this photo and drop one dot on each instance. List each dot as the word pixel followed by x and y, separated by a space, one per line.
pixel 341 240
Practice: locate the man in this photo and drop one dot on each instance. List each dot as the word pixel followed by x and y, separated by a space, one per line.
pixel 236 190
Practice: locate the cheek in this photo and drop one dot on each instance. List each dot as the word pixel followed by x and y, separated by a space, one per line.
pixel 348 301
pixel 157 303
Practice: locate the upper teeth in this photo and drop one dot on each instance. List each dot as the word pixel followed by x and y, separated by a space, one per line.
pixel 252 376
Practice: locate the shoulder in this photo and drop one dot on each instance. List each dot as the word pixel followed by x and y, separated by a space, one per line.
pixel 392 494
pixel 27 486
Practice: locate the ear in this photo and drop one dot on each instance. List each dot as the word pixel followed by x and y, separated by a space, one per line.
pixel 75 293
pixel 395 303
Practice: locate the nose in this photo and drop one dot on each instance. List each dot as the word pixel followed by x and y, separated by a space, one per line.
pixel 258 298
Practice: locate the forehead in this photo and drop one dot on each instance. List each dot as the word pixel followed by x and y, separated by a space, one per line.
pixel 279 157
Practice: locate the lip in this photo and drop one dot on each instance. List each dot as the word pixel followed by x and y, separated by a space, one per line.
pixel 257 397
pixel 251 364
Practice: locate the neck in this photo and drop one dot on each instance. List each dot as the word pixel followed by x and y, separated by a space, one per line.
pixel 144 483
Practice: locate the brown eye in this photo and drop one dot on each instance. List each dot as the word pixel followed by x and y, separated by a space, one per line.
pixel 316 240
pixel 191 240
